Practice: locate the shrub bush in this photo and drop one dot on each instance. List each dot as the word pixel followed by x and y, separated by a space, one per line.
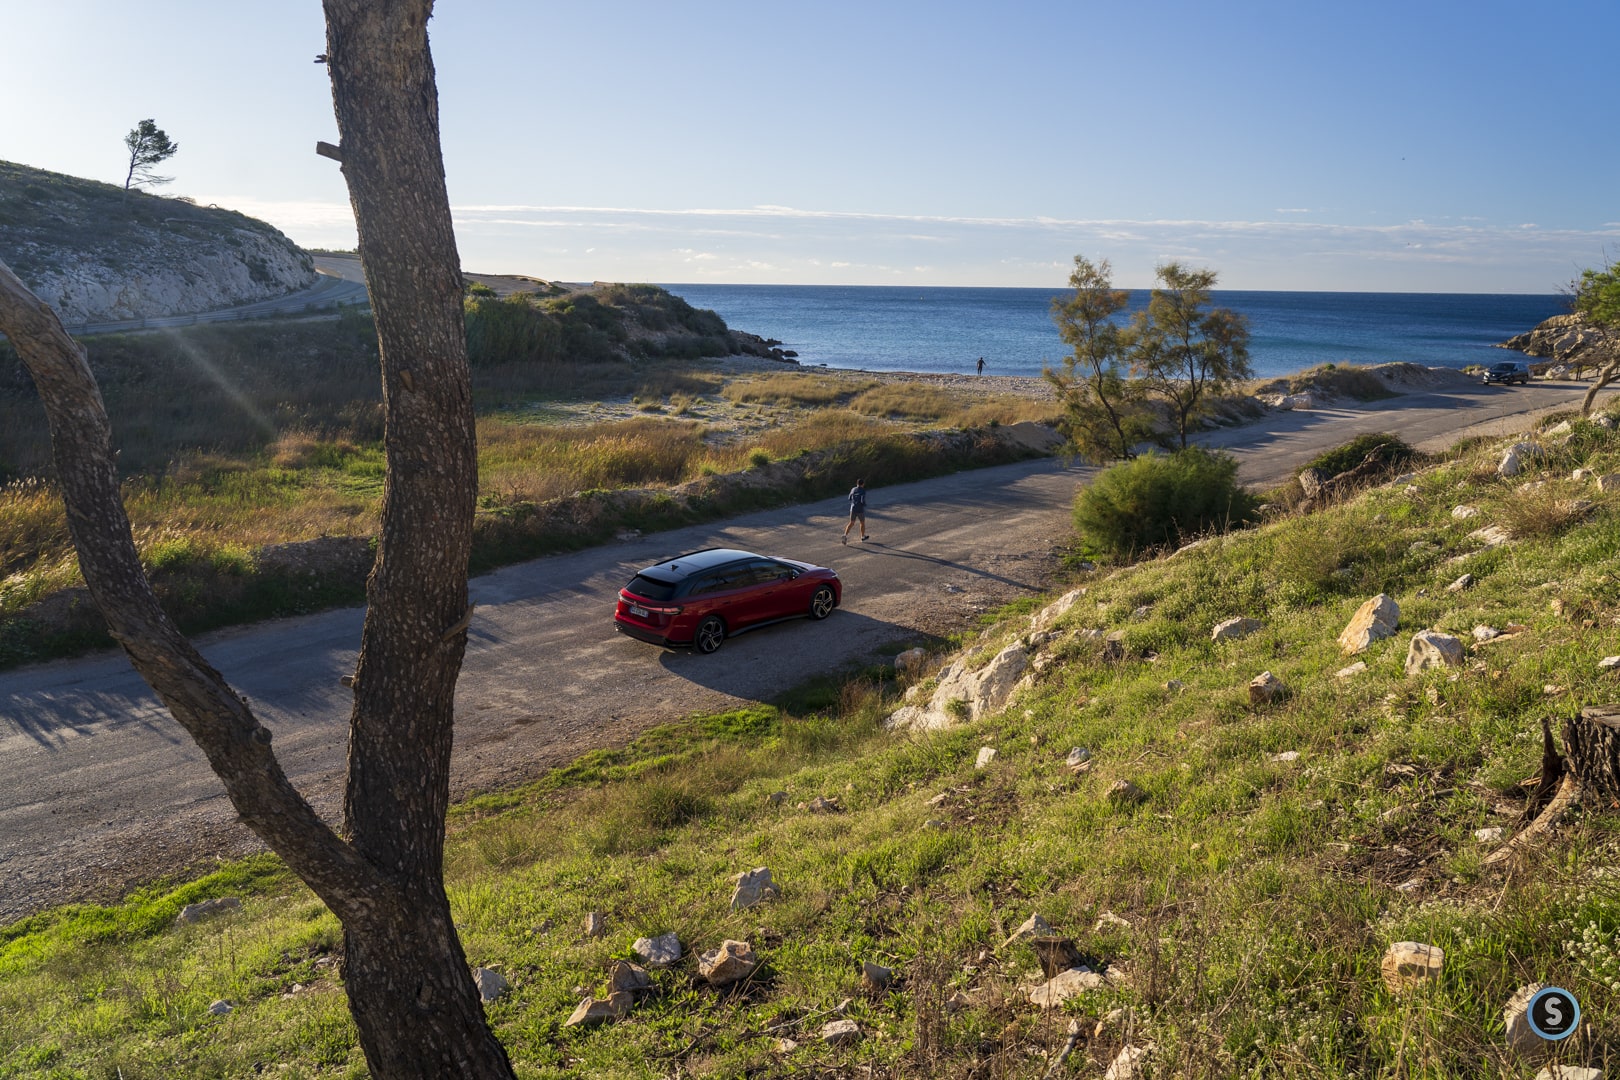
pixel 1157 500
pixel 1391 448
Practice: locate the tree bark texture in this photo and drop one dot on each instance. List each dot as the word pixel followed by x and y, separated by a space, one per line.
pixel 410 990
pixel 413 998
pixel 1592 749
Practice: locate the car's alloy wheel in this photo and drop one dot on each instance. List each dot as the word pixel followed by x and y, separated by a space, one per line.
pixel 710 633
pixel 822 603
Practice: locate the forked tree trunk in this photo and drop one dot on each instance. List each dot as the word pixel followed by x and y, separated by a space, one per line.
pixel 412 995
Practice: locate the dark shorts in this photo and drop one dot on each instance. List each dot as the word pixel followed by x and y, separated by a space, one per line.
pixel 857 515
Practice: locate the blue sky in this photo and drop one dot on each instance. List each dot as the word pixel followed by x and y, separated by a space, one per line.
pixel 1445 147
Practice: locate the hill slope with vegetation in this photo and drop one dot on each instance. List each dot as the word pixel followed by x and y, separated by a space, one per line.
pixel 1231 866
pixel 96 254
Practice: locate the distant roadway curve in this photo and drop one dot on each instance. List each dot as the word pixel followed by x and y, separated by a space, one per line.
pixel 341 283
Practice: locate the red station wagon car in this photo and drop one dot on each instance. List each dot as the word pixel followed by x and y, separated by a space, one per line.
pixel 704 597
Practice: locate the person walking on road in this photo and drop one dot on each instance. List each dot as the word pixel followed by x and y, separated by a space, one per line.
pixel 857 509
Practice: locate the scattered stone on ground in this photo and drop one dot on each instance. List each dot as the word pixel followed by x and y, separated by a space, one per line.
pixel 491 984
pixel 1461 583
pixel 753 887
pixel 1065 985
pixel 1034 926
pixel 658 952
pixel 1515 456
pixel 1486 633
pixel 840 1033
pixel 1488 835
pixel 1129 1064
pixel 1125 793
pixel 1286 756
pixel 1353 670
pixel 203 909
pixel 616 1006
pixel 1609 663
pixel 987 754
pixel 1432 649
pixel 627 977
pixel 875 976
pixel 1568 1072
pixel 1611 482
pixel 1236 629
pixel 1463 513
pixel 1174 686
pixel 1079 760
pixel 935 823
pixel 823 805
pixel 1108 919
pixel 732 962
pixel 1410 964
pixel 1051 613
pixel 595 924
pixel 1373 620
pixel 1265 688
pixel 910 660
pixel 777 798
pixel 1582 474
pixel 1311 481
pixel 1491 535
pixel 220 1008
pixel 1516 1019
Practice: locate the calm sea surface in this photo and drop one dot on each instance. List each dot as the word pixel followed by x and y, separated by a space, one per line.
pixel 884 328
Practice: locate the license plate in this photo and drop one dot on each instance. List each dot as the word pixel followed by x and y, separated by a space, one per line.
pixel 638 612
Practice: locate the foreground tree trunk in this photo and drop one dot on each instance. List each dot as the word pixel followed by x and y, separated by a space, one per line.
pixel 410 990
pixel 413 999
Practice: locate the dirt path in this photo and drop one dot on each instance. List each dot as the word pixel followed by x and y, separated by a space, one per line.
pixel 100 789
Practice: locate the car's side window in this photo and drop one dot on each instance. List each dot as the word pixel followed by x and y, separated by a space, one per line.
pixel 761 572
pixel 717 581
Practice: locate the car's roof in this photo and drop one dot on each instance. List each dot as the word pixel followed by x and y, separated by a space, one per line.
pixel 683 566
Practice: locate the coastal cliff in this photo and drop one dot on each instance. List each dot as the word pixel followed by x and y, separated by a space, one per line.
pixel 1562 337
pixel 96 258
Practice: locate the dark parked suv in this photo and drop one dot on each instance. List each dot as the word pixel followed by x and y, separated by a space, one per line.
pixel 1507 372
pixel 704 597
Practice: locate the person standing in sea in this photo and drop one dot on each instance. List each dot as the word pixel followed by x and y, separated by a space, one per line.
pixel 981 365
pixel 857 509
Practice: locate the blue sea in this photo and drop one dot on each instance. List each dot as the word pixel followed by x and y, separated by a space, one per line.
pixel 888 328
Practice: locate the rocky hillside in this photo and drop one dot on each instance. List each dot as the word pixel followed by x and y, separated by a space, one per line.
pixel 96 258
pixel 1562 337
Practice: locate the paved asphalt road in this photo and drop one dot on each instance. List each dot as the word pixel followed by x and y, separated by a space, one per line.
pixel 99 787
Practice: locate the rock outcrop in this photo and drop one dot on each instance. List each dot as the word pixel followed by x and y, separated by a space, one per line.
pixel 965 694
pixel 1563 338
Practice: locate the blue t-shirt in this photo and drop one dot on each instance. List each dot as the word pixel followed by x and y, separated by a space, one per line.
pixel 857 499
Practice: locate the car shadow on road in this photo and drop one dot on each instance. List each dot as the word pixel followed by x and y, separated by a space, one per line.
pixel 763 664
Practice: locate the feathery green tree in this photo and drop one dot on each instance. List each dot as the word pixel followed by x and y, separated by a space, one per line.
pixel 1185 351
pixel 1104 414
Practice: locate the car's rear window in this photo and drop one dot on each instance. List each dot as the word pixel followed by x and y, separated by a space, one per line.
pixel 651 588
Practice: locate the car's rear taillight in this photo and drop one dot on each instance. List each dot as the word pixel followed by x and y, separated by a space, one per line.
pixel 664 610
